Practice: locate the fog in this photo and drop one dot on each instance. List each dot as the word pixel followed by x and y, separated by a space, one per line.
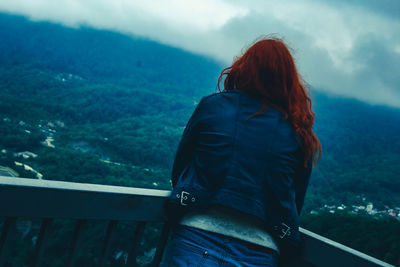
pixel 349 48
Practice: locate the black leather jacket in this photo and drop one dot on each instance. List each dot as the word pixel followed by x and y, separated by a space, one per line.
pixel 254 165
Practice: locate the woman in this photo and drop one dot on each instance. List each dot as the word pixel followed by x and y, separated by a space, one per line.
pixel 242 167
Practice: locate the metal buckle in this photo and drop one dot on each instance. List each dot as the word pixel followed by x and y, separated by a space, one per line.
pixel 285 229
pixel 184 197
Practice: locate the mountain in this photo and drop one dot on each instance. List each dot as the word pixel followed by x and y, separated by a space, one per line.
pixel 361 152
pixel 101 107
pixel 134 93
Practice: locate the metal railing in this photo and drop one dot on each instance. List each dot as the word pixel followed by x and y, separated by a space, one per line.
pixel 49 200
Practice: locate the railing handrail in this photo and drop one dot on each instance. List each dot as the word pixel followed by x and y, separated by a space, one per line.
pixel 317 249
pixel 59 199
pixel 63 185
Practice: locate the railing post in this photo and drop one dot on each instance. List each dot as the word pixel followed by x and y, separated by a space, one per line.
pixel 161 245
pixel 135 244
pixel 76 242
pixel 105 250
pixel 8 230
pixel 41 241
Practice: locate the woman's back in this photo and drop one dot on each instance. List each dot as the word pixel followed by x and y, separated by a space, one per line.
pixel 232 143
pixel 249 164
pixel 247 149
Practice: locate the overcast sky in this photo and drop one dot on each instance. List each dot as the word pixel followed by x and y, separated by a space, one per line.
pixel 350 48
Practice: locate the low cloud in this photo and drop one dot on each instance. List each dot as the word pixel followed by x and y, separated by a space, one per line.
pixel 349 48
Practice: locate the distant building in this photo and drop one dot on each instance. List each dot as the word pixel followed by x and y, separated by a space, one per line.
pixel 5 171
pixel 341 207
pixel 60 124
pixel 369 208
pixel 392 212
pixel 49 142
pixel 26 154
pixel 29 168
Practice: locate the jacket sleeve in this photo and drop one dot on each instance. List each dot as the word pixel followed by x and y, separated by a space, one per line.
pixel 301 184
pixel 187 144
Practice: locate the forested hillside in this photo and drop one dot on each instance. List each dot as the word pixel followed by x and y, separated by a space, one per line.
pixel 101 107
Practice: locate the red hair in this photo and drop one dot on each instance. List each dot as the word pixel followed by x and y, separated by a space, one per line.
pixel 267 70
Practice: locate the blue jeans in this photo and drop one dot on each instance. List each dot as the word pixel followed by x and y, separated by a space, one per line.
pixel 194 247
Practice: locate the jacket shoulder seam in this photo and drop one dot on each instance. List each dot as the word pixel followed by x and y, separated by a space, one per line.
pixel 218 93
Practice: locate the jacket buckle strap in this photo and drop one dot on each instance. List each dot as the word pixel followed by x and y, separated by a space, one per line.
pixel 285 230
pixel 186 198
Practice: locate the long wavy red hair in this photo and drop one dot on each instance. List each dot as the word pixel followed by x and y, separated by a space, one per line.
pixel 267 70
